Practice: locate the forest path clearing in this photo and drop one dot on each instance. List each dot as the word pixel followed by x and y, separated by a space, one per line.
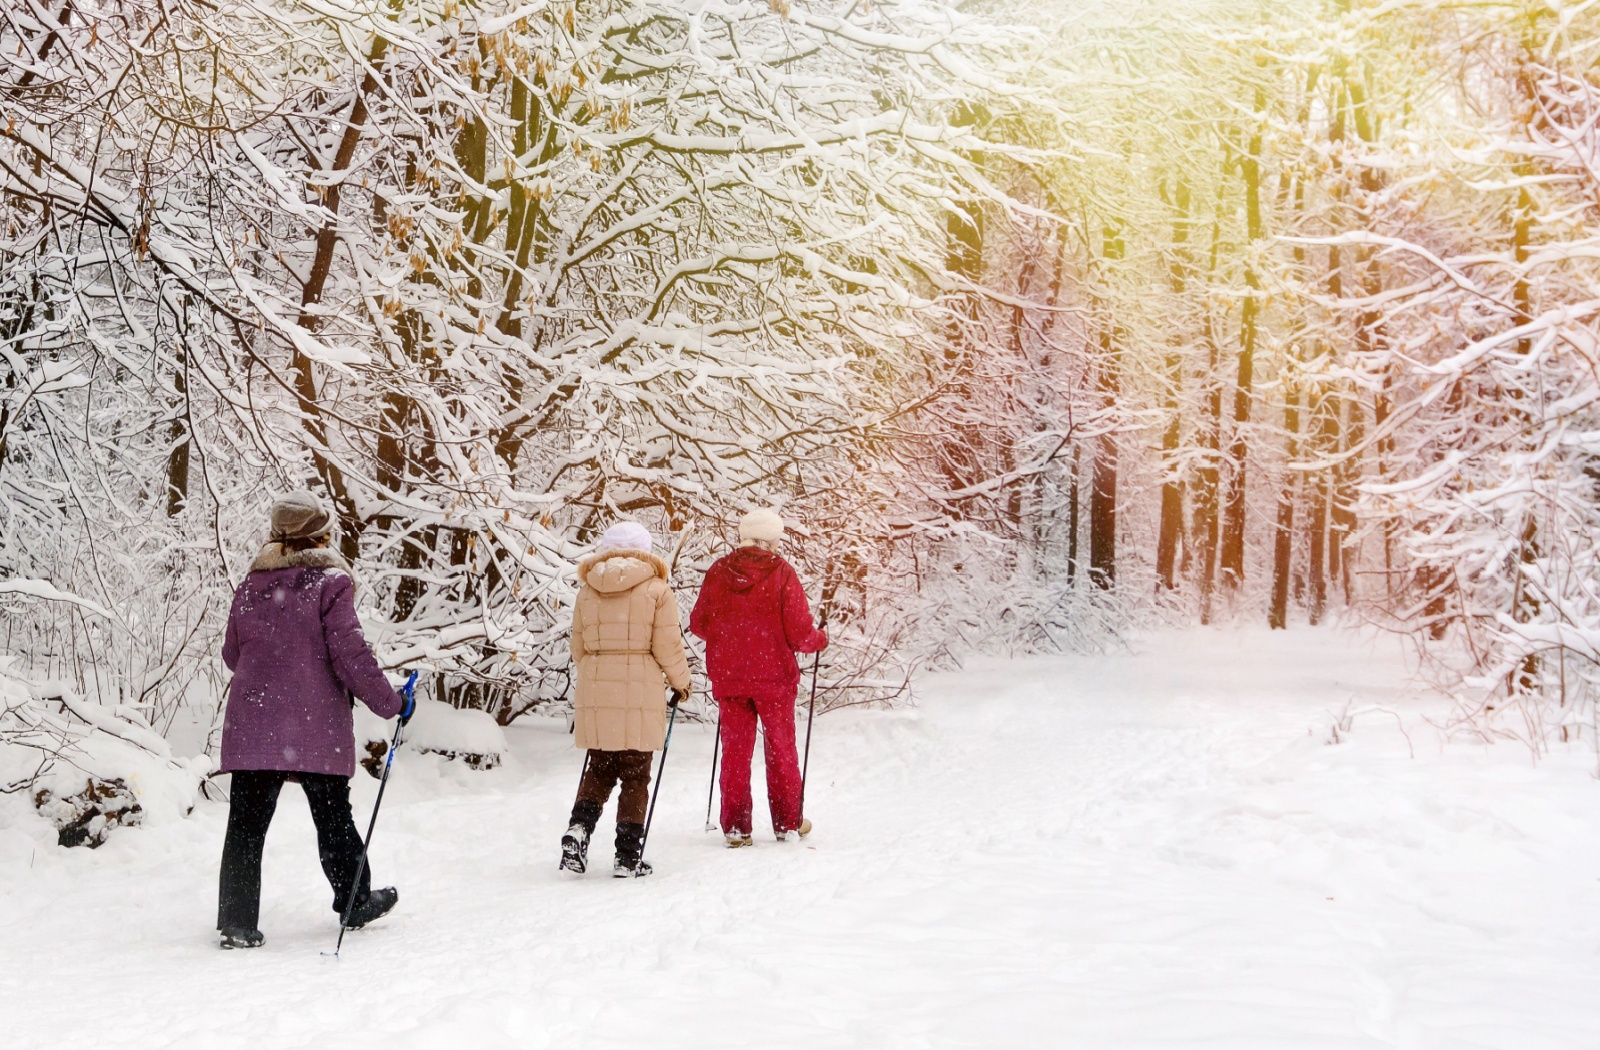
pixel 1148 850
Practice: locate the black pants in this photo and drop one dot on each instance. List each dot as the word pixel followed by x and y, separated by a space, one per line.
pixel 250 808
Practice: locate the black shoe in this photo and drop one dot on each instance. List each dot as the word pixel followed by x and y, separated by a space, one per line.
pixel 625 869
pixel 242 937
pixel 378 904
pixel 575 849
pixel 575 843
pixel 630 863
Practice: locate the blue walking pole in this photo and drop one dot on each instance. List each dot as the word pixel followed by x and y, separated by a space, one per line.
pixel 408 691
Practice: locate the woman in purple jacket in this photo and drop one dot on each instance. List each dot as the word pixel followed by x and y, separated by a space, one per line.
pixel 299 661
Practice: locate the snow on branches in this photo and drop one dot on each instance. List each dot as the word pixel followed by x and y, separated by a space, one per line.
pixel 488 275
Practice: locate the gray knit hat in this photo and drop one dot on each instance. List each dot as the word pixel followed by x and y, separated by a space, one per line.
pixel 299 516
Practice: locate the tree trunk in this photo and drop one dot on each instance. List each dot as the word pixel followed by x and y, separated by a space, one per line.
pixel 1324 545
pixel 178 434
pixel 309 319
pixel 1207 501
pixel 1238 450
pixel 1342 551
pixel 1317 552
pixel 1525 606
pixel 1283 538
pixel 1014 498
pixel 1073 516
pixel 1103 488
pixel 1369 326
pixel 1171 528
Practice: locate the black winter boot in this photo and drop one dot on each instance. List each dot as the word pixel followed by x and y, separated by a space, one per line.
pixel 575 843
pixel 630 852
pixel 378 904
pixel 242 937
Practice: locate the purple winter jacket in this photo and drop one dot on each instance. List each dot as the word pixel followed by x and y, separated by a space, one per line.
pixel 297 655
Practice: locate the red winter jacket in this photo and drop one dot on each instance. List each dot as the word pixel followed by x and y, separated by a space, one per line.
pixel 753 615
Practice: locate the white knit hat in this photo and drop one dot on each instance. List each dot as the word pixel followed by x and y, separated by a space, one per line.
pixel 626 535
pixel 761 524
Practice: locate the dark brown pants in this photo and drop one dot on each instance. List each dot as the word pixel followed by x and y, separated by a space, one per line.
pixel 608 767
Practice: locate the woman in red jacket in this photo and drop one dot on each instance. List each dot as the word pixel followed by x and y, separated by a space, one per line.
pixel 753 615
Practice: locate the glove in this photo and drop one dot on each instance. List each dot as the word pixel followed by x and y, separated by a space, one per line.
pixel 408 693
pixel 678 696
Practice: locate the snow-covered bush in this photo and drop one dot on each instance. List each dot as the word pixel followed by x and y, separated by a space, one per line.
pixel 86 818
pixel 461 734
pixel 84 768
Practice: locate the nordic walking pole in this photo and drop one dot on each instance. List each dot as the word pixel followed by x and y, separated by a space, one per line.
pixel 716 747
pixel 672 568
pixel 811 716
pixel 409 691
pixel 654 795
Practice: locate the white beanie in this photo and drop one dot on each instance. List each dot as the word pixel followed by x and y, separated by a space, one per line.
pixel 761 525
pixel 626 535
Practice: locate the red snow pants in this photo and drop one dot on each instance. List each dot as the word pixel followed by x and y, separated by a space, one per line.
pixel 739 715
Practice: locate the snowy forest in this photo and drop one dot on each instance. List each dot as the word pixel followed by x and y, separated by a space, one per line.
pixel 1155 394
pixel 1035 325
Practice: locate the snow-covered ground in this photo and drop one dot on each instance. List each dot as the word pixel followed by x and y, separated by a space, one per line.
pixel 1151 850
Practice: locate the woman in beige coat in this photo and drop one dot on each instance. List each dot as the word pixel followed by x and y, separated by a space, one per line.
pixel 625 640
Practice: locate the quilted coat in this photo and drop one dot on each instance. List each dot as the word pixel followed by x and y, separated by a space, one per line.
pixel 627 649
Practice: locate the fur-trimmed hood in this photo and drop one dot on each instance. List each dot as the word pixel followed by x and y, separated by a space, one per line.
pixel 620 570
pixel 275 556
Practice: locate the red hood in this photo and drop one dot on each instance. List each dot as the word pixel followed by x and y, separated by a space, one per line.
pixel 748 566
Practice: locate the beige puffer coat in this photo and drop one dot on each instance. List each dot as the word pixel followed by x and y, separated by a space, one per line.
pixel 625 637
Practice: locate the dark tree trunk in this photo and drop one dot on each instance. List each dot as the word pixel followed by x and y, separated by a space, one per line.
pixel 1283 537
pixel 1073 515
pixel 1103 486
pixel 1239 451
pixel 402 457
pixel 305 382
pixel 178 434
pixel 1171 528
pixel 1014 503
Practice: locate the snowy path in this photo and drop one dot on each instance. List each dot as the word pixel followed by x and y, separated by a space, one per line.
pixel 1120 852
